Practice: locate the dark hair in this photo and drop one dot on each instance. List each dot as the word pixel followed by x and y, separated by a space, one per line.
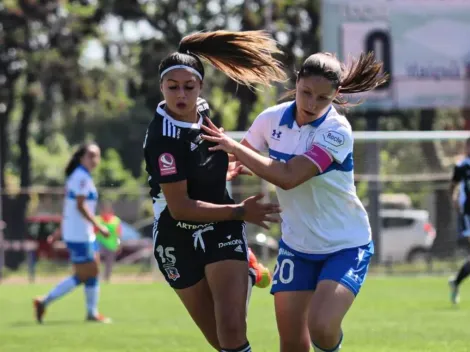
pixel 364 74
pixel 246 57
pixel 74 161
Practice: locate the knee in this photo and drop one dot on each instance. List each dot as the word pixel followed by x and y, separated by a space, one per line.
pixel 324 333
pixel 231 326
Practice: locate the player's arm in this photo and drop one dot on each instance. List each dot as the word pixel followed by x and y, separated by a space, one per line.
pixel 293 172
pixel 457 177
pixel 286 175
pixel 166 160
pixel 81 186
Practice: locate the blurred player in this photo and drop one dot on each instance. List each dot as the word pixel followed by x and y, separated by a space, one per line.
pixel 77 229
pixel 461 200
pixel 109 245
pixel 199 233
pixel 326 241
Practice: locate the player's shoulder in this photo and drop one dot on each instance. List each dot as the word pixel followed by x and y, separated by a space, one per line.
pixel 336 120
pixel 80 174
pixel 465 162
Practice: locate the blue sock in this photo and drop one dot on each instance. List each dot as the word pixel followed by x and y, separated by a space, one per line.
pixel 92 293
pixel 62 289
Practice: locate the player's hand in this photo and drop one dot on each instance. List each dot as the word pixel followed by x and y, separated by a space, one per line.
pixel 217 135
pixel 235 168
pixel 51 239
pixel 103 230
pixel 259 213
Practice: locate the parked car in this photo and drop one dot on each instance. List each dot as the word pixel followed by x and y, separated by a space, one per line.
pixel 406 235
pixel 41 226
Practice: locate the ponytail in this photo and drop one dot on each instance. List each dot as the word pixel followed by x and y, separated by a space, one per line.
pixel 363 75
pixel 246 57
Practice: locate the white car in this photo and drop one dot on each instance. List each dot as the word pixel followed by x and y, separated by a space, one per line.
pixel 406 235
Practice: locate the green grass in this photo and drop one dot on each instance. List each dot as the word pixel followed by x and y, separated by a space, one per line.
pixel 390 314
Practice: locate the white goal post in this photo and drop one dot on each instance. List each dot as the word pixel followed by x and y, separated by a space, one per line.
pixel 376 136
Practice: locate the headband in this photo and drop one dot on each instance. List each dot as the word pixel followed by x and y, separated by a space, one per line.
pixel 171 68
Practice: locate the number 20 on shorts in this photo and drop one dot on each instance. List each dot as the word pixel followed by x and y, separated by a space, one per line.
pixel 286 265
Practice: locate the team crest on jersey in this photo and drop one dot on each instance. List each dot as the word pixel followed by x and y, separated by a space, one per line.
pixel 172 273
pixel 167 164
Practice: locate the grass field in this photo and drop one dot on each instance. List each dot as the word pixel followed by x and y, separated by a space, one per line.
pixel 391 314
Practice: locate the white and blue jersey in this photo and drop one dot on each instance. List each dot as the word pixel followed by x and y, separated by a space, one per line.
pixel 78 232
pixel 322 218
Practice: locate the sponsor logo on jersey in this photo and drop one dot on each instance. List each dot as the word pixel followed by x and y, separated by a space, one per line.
pixel 167 164
pixel 333 138
pixel 276 135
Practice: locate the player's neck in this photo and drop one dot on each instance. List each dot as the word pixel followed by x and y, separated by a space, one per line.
pixel 304 119
pixel 191 117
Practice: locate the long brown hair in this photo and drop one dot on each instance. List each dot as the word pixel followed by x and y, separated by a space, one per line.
pixel 363 75
pixel 246 57
pixel 74 161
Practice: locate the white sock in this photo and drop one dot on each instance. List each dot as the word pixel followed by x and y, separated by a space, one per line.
pixel 92 293
pixel 62 289
pixel 335 349
pixel 318 349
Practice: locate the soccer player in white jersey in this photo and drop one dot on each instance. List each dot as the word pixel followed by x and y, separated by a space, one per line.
pixel 77 228
pixel 326 240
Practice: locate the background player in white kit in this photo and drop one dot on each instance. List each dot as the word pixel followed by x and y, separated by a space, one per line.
pixel 78 222
pixel 326 241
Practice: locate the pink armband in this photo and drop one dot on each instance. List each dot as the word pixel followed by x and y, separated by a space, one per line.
pixel 319 156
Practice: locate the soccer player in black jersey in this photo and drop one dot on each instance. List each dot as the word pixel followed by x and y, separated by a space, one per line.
pixel 200 242
pixel 461 177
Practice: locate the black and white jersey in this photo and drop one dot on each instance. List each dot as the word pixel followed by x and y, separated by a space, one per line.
pixel 462 175
pixel 174 151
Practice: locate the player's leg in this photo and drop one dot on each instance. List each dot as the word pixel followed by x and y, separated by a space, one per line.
pixel 227 281
pixel 340 280
pixel 294 281
pixel 226 271
pixel 197 300
pixel 78 256
pixel 92 288
pixel 109 257
pixel 464 271
pixel 183 269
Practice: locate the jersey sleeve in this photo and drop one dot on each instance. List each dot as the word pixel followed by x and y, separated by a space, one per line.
pixel 80 184
pixel 337 141
pixel 166 159
pixel 256 135
pixel 457 176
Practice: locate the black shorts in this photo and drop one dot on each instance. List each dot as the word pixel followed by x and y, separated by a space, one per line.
pixel 182 252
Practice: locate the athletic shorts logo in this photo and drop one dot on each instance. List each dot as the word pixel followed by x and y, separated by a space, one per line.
pixel 172 273
pixel 235 242
pixel 167 164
